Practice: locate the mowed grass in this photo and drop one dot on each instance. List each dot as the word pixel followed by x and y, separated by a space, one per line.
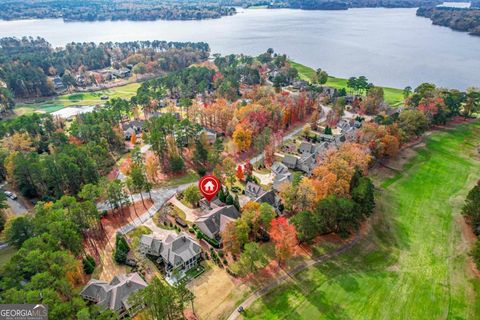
pixel 413 263
pixel 77 99
pixel 393 96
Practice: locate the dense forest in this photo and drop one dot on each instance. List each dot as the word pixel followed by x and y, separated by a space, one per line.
pixel 93 10
pixel 459 19
pixel 28 64
pixel 340 5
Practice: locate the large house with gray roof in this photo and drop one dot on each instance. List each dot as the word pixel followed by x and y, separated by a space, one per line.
pixel 115 294
pixel 177 252
pixel 214 222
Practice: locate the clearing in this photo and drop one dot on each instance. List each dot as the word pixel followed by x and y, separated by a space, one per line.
pixel 393 96
pixel 76 99
pixel 414 263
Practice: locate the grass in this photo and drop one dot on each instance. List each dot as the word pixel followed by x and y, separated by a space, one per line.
pixel 393 96
pixel 413 262
pixel 6 254
pixel 136 234
pixel 77 99
pixel 189 177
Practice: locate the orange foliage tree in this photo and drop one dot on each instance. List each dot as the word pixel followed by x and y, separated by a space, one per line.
pixel 284 236
pixel 239 173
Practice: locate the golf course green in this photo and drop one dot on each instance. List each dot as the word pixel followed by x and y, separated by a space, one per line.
pixel 412 262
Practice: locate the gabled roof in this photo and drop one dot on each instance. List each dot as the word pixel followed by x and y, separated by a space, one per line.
pixel 152 243
pixel 268 197
pixel 212 221
pixel 113 295
pixel 290 160
pixel 253 190
pixel 179 249
pixel 279 168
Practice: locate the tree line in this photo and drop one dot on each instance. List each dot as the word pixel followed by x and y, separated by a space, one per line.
pixel 27 63
pixel 101 10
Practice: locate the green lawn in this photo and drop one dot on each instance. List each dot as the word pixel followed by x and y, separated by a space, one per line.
pixel 393 96
pixel 413 263
pixel 77 99
pixel 136 234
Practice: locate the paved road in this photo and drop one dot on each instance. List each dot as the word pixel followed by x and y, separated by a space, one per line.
pixel 159 197
pixel 288 277
pixel 17 207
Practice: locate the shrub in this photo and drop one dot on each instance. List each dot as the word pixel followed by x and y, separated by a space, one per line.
pixel 88 264
pixel 3 219
pixel 475 253
pixel 121 249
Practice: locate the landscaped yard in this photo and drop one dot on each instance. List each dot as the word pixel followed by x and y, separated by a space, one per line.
pixel 77 99
pixel 393 96
pixel 136 234
pixel 413 263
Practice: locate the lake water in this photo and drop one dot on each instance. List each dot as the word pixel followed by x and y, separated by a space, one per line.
pixel 392 47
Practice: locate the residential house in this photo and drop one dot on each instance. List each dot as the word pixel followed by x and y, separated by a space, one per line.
pixel 253 190
pixel 134 126
pixel 121 73
pixel 306 163
pixel 115 294
pixel 209 205
pixel 278 168
pixel 290 161
pixel 179 253
pixel 280 179
pixel 210 135
pixel 215 221
pixel 58 84
pixel 270 198
pixel 306 147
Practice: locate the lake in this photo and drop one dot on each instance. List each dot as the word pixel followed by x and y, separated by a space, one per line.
pixel 392 47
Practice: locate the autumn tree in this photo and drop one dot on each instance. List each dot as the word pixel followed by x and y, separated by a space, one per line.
pixel 133 139
pixel 230 239
pixel 284 236
pixel 239 174
pixel 242 138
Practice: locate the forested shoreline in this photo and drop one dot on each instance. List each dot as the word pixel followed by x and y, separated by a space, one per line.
pixel 29 66
pixel 99 10
pixel 459 19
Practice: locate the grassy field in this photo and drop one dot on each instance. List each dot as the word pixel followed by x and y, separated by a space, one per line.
pixel 6 254
pixel 393 96
pixel 413 263
pixel 77 99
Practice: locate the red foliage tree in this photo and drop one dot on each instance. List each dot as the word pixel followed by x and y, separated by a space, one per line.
pixel 239 173
pixel 284 236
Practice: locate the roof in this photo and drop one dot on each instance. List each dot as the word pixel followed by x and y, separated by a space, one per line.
pixel 114 295
pixel 253 189
pixel 213 223
pixel 133 124
pixel 305 147
pixel 179 249
pixel 290 160
pixel 279 168
pixel 268 197
pixel 152 243
pixel 281 179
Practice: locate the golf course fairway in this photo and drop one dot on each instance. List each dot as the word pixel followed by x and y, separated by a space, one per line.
pixel 413 262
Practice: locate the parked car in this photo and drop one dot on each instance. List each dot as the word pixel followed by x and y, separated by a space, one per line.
pixel 11 195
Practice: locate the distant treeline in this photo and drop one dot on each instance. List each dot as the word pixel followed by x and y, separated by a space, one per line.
pixel 26 64
pixel 460 19
pixel 338 4
pixel 93 10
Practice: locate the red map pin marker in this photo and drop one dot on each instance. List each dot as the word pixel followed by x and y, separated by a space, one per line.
pixel 209 186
